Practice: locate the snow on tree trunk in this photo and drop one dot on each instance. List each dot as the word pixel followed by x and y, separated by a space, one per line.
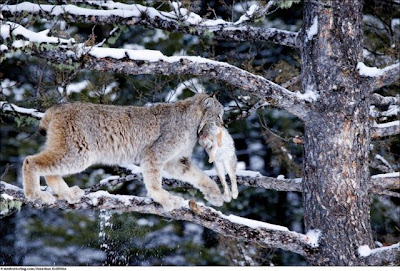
pixel 337 132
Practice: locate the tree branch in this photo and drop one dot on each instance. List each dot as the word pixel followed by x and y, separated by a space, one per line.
pixel 133 62
pixel 377 78
pixel 153 62
pixel 5 106
pixel 125 14
pixel 261 233
pixel 385 129
pixel 379 100
pixel 380 184
pixel 382 256
pixel 388 76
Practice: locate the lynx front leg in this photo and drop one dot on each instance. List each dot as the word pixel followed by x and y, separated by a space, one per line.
pixel 184 170
pixel 58 185
pixel 152 180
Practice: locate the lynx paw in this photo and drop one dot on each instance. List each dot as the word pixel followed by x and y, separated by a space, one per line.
pixel 168 201
pixel 214 196
pixel 172 203
pixel 43 196
pixel 74 195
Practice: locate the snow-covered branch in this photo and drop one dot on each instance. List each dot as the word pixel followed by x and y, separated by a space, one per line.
pixel 380 184
pixel 388 255
pixel 393 110
pixel 378 78
pixel 11 32
pixel 4 106
pixel 258 232
pixel 154 62
pixel 179 20
pixel 385 129
pixel 387 181
pixel 381 164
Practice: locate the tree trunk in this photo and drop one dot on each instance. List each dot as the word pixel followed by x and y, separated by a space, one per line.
pixel 337 133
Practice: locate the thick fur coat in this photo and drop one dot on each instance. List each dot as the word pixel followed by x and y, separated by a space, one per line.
pixel 159 137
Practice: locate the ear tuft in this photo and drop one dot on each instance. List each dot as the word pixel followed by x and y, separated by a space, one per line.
pixel 209 102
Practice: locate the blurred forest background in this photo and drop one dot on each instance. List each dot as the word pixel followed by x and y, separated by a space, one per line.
pixel 263 142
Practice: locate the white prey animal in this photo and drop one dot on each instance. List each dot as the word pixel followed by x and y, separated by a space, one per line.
pixel 220 148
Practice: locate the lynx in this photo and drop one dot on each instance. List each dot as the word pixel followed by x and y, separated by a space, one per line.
pixel 159 137
pixel 221 150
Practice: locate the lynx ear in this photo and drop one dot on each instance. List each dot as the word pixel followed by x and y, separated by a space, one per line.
pixel 209 102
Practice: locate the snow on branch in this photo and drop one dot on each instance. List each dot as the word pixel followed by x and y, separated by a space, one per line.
pixel 179 20
pixel 380 184
pixel 378 78
pixel 261 233
pixel 387 255
pixel 5 106
pixel 385 129
pixel 10 30
pixel 154 62
pixel 134 62
pixel 393 110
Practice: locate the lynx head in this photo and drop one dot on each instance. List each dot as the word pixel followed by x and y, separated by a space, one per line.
pixel 213 112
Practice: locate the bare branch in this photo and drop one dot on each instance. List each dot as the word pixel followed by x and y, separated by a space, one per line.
pixel 385 129
pixel 135 14
pixel 379 100
pixel 389 193
pixel 264 234
pixel 291 82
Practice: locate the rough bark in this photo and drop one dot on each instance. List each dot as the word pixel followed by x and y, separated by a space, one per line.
pixel 337 133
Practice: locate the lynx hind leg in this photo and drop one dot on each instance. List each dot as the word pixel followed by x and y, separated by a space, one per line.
pixel 221 174
pixel 31 171
pixel 230 167
pixel 183 169
pixel 70 194
pixel 152 180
